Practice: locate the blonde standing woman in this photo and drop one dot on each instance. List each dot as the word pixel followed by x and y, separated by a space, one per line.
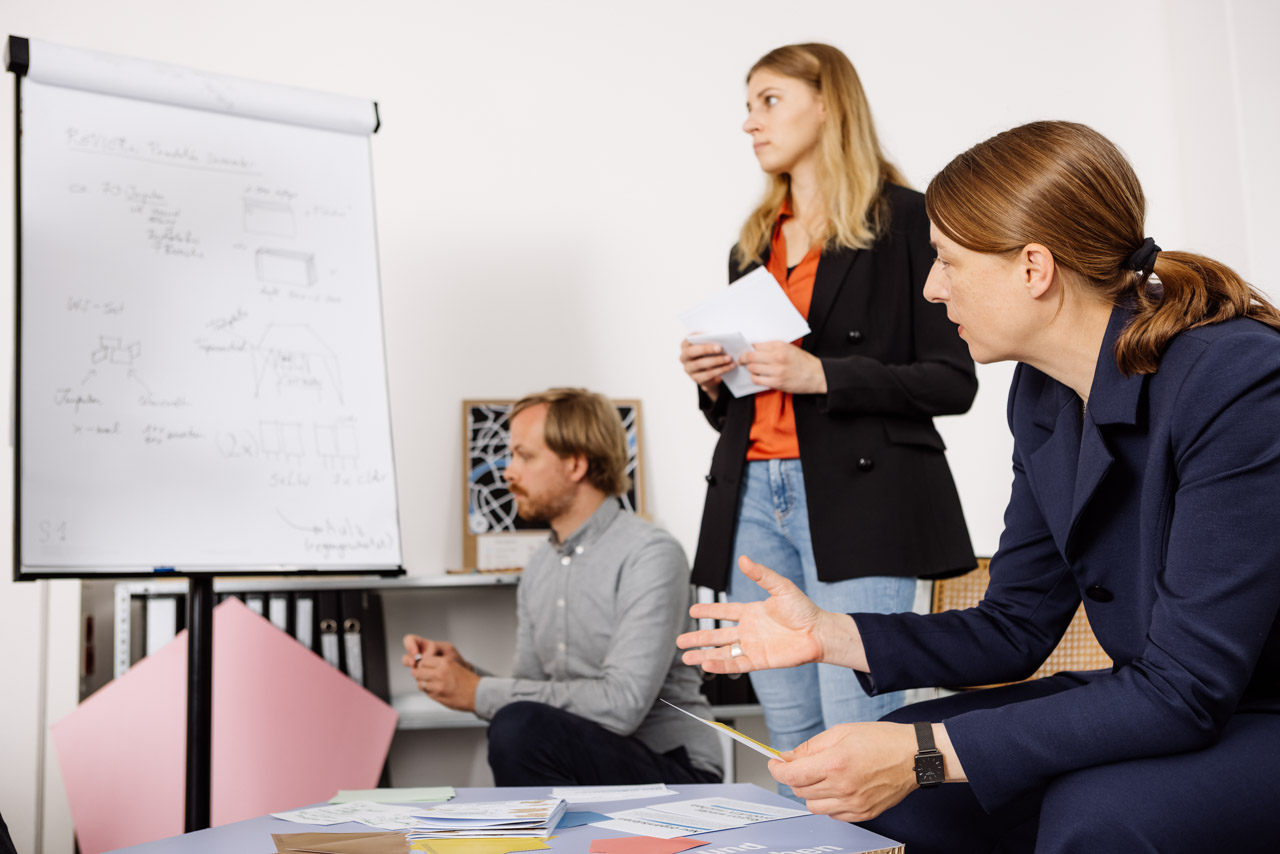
pixel 835 477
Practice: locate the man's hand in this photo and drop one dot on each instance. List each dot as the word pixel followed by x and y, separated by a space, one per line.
pixel 417 648
pixel 851 772
pixel 448 681
pixel 785 367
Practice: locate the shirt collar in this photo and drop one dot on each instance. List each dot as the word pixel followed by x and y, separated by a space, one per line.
pixel 785 213
pixel 590 530
pixel 1114 397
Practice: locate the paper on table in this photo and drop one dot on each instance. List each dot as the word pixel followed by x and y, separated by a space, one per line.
pixel 755 305
pixel 643 845
pixel 577 819
pixel 734 344
pixel 532 817
pixel 600 794
pixel 365 812
pixel 701 815
pixel 421 794
pixel 762 749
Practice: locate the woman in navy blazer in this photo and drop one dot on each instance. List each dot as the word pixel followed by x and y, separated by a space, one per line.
pixel 1146 423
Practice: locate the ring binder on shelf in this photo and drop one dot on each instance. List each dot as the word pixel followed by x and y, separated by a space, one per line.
pixel 278 610
pixel 330 625
pixel 304 619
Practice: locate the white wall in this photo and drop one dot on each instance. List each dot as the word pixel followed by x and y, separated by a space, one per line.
pixel 556 180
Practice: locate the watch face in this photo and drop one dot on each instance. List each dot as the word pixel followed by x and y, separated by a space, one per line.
pixel 928 769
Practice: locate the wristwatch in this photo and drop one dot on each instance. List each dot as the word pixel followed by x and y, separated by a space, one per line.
pixel 928 767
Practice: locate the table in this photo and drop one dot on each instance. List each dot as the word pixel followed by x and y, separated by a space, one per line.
pixel 783 836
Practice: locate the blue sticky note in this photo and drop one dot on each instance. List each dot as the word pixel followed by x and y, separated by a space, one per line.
pixel 576 819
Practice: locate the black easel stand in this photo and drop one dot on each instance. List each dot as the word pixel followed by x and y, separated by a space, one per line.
pixel 199 699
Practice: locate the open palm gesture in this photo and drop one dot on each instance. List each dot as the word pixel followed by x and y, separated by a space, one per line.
pixel 785 630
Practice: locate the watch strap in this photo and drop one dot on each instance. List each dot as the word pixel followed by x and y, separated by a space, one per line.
pixel 928 765
pixel 924 735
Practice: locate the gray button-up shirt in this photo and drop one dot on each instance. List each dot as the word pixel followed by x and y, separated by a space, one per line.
pixel 598 618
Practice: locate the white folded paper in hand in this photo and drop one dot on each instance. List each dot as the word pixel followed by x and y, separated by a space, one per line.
pixel 734 344
pixel 752 309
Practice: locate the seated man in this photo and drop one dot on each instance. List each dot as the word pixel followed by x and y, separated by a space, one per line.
pixel 599 608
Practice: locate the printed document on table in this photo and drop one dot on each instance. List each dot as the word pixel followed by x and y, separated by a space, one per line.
pixel 755 306
pixel 365 812
pixel 762 749
pixel 598 794
pixel 703 815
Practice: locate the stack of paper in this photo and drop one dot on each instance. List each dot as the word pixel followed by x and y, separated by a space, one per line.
pixel 598 794
pixel 534 819
pixel 365 812
pixel 683 818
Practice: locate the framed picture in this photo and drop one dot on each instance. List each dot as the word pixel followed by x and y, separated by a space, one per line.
pixel 493 534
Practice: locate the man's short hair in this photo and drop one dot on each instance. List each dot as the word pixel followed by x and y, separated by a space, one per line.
pixel 583 422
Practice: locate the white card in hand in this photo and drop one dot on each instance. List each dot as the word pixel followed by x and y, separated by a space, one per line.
pixel 755 305
pixel 735 344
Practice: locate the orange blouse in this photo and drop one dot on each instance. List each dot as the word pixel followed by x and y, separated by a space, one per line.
pixel 773 431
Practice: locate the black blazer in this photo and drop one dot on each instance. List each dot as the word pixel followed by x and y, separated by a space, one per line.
pixel 880 494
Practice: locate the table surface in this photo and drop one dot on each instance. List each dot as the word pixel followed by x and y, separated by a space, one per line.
pixel 784 835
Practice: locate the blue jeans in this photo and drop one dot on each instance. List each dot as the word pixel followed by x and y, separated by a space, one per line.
pixel 773 529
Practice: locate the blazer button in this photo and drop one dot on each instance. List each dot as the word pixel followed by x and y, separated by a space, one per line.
pixel 855 336
pixel 865 464
pixel 711 479
pixel 1098 593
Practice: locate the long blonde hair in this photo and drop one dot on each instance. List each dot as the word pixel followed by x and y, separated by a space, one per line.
pixel 852 170
pixel 1069 188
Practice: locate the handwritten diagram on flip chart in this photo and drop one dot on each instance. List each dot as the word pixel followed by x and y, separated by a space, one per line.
pixel 202 371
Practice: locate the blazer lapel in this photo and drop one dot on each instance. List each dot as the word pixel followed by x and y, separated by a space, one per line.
pixel 1051 468
pixel 1113 399
pixel 833 272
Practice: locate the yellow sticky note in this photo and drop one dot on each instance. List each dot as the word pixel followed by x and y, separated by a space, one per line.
pixel 477 846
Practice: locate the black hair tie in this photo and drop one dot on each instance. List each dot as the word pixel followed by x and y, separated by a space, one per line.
pixel 1143 259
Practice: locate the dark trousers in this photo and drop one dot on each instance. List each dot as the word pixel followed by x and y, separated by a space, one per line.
pixel 533 744
pixel 1223 798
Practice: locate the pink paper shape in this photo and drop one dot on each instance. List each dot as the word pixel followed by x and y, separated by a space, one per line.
pixel 642 845
pixel 288 730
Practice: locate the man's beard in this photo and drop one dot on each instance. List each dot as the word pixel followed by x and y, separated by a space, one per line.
pixel 541 511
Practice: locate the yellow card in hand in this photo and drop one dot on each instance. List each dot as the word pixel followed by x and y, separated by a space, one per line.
pixel 762 749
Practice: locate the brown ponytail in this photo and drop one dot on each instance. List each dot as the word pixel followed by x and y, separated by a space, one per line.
pixel 1189 291
pixel 1067 187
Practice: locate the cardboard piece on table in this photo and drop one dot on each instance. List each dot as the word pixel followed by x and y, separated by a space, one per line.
pixel 642 845
pixel 287 730
pixel 375 842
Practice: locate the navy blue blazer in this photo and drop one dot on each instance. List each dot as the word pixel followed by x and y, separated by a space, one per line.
pixel 1161 508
